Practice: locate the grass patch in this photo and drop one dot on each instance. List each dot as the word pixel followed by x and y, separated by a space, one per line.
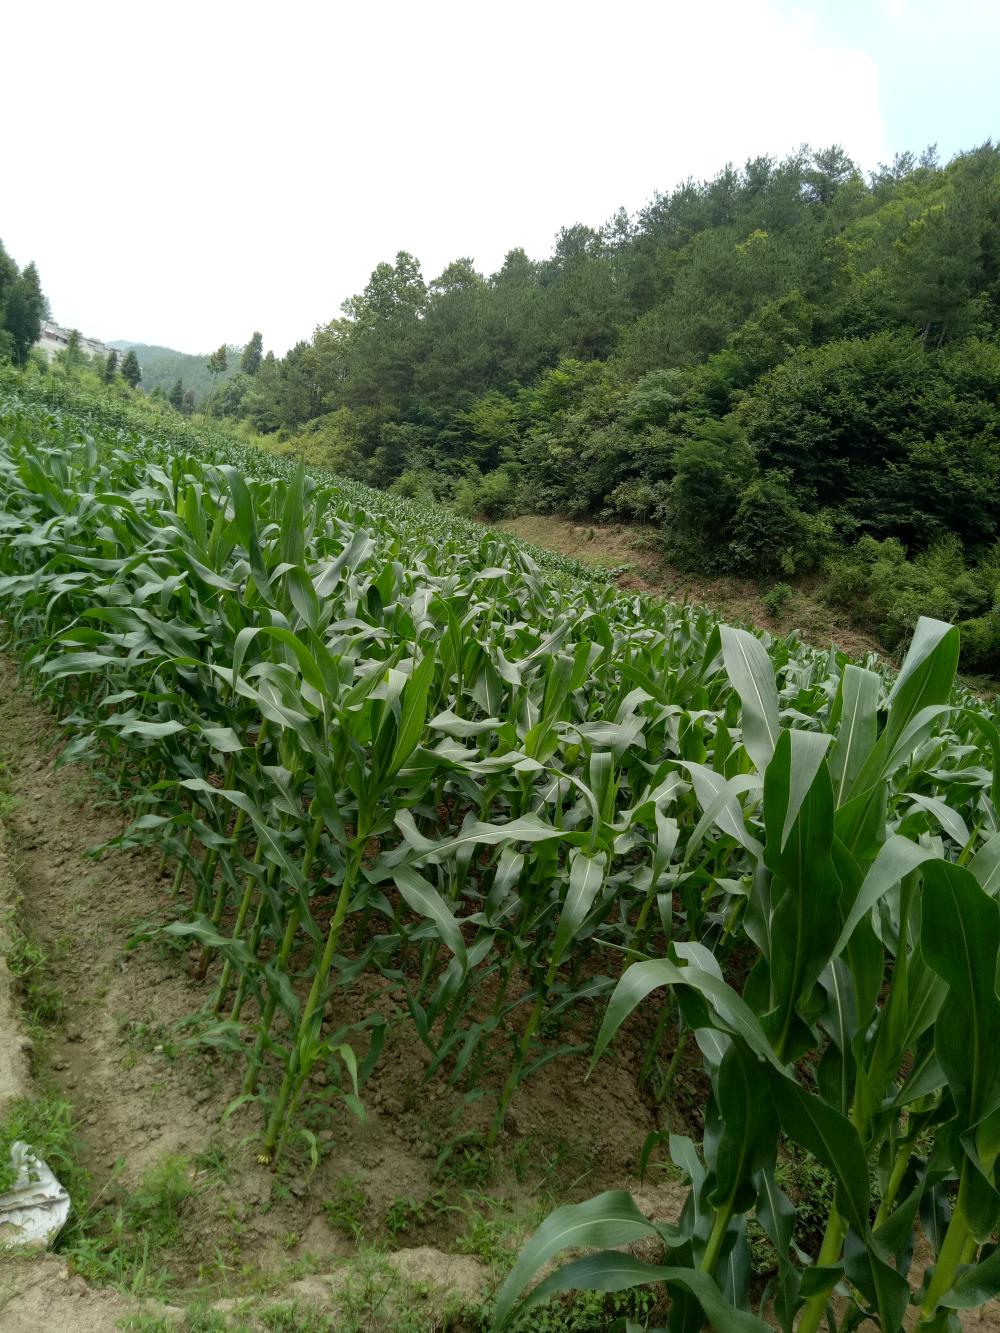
pixel 130 1242
pixel 42 1000
pixel 346 1207
pixel 45 1123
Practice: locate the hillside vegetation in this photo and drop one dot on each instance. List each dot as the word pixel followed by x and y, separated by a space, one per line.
pixel 162 367
pixel 787 368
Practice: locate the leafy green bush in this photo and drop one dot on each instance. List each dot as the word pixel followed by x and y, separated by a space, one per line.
pixel 639 500
pixel 776 598
pixel 415 484
pixel 711 471
pixel 771 534
pixel 496 495
pixel 889 592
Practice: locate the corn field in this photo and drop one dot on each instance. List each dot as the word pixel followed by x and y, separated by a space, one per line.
pixel 368 742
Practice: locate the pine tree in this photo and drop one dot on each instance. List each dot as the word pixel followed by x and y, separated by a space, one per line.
pixel 218 362
pixel 25 309
pixel 131 371
pixel 110 368
pixel 176 395
pixel 253 354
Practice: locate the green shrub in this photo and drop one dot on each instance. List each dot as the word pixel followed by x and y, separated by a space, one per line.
pixel 414 484
pixel 771 534
pixel 981 643
pixel 463 499
pixel 638 500
pixel 496 495
pixel 888 592
pixel 777 597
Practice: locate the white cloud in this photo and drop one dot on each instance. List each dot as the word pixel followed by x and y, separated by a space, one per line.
pixel 185 174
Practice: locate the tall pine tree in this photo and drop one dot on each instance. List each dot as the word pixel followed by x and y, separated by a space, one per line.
pixel 253 354
pixel 25 308
pixel 131 371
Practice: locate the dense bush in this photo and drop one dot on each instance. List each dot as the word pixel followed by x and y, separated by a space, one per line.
pixel 496 495
pixel 905 440
pixel 881 586
pixel 771 534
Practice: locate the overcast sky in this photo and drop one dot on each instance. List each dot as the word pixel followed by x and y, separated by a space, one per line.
pixel 184 174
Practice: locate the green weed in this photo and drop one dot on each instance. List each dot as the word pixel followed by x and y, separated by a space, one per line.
pixel 46 1124
pixel 345 1208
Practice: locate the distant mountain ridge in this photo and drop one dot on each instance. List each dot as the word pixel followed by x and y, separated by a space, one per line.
pixel 163 366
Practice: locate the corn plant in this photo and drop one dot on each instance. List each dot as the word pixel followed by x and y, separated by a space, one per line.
pixel 864 1034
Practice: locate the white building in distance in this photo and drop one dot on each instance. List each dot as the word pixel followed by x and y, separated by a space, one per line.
pixel 54 339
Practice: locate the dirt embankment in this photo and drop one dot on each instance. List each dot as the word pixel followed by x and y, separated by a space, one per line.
pixel 15 1045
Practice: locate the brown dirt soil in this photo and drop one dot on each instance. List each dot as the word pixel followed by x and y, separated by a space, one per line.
pixel 137 1101
pixel 15 1071
pixel 612 545
pixel 40 1295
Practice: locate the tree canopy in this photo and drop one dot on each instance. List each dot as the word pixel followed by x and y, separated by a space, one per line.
pixel 22 308
pixel 772 365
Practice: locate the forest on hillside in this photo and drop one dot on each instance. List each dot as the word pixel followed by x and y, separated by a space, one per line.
pixel 163 367
pixel 790 367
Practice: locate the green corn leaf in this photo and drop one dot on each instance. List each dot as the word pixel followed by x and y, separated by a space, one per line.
pixel 924 683
pixel 733 1015
pixel 798 818
pixel 858 728
pixel 898 857
pixel 950 820
pixel 960 939
pixel 831 1139
pixel 985 865
pixel 425 899
pixel 586 877
pixel 976 1285
pixel 222 739
pixel 885 1289
pixel 609 1219
pixel 303 596
pixel 292 545
pixel 748 1130
pixel 413 712
pixel 749 669
pixel 611 1270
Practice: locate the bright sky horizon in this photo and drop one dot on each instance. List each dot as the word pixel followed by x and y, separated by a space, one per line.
pixel 185 175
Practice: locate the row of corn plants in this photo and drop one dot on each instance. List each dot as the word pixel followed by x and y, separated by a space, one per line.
pixel 369 745
pixel 434 768
pixel 866 1032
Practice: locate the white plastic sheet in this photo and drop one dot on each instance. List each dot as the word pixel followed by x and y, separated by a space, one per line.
pixel 36 1209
